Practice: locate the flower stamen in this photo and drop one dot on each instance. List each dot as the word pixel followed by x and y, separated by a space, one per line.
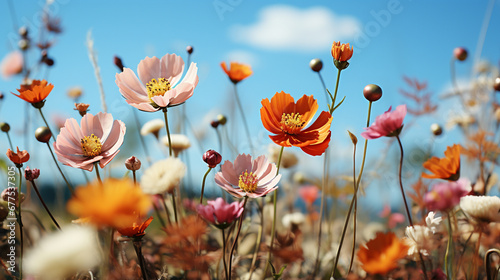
pixel 248 182
pixel 157 88
pixel 291 123
pixel 91 146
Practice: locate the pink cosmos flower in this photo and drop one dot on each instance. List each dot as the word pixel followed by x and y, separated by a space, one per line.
pixel 393 218
pixel 158 84
pixel 309 194
pixel 220 213
pixel 12 64
pixel 97 140
pixel 387 124
pixel 446 195
pixel 247 177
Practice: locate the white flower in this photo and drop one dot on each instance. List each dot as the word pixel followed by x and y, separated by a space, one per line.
pixel 296 218
pixel 163 176
pixel 63 253
pixel 180 142
pixel 153 127
pixel 432 221
pixel 481 208
pixel 418 238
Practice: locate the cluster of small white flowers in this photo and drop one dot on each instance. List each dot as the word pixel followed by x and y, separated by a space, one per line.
pixel 421 238
pixel 481 208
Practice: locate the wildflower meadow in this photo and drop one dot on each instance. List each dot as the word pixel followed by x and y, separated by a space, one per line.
pixel 249 140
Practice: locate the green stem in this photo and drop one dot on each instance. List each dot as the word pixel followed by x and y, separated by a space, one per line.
pixel 97 172
pixel 224 253
pixel 162 222
pixel 60 171
pixel 448 248
pixel 134 177
pixel 487 263
pixel 44 205
pixel 47 124
pixel 237 235
pixel 273 229
pixel 321 209
pixel 355 209
pixel 324 86
pixel 476 254
pixel 168 132
pixel 143 144
pixel 174 205
pixel 140 257
pixel 20 222
pixel 219 139
pixel 203 184
pixel 335 93
pixel 247 131
pixel 10 141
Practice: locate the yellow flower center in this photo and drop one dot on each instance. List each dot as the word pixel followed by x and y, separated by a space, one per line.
pixel 248 182
pixel 91 146
pixel 291 123
pixel 157 87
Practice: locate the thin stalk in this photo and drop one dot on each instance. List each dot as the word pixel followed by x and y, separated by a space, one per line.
pixel 159 216
pixel 224 253
pixel 97 173
pixel 44 205
pixel 60 171
pixel 355 209
pixel 245 124
pixel 321 208
pixel 335 94
pixel 237 235
pixel 10 141
pixel 203 184
pixel 20 222
pixel 447 262
pixel 134 177
pixel 143 144
pixel 166 209
pixel 219 139
pixel 487 263
pixel 168 132
pixel 174 205
pixel 260 208
pixel 476 253
pixel 47 124
pixel 140 257
pixel 324 86
pixel 405 202
pixel 273 229
pixel 354 198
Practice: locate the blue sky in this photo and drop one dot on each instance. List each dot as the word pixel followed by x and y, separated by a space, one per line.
pixel 278 38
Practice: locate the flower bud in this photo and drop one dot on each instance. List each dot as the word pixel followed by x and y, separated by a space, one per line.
pixel 12 194
pixel 222 119
pixel 82 108
pixel 43 134
pixel 1 95
pixel 189 49
pixel 460 53
pixel 31 174
pixel 118 62
pixel 214 124
pixel 133 163
pixel 23 31
pixel 316 64
pixel 436 129
pixel 23 44
pixel 212 158
pixel 372 92
pixel 5 127
pixel 496 84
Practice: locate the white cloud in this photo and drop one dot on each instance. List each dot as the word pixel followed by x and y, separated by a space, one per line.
pixel 286 27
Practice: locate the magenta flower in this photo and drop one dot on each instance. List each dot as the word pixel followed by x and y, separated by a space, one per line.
pixel 446 195
pixel 247 177
pixel 220 213
pixel 97 140
pixel 387 124
pixel 158 84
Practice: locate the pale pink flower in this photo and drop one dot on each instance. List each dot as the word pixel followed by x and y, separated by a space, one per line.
pixel 97 140
pixel 393 219
pixel 387 124
pixel 12 64
pixel 220 213
pixel 158 84
pixel 446 195
pixel 247 177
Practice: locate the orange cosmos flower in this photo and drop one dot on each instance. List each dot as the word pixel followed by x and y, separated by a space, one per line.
pixel 447 168
pixel 115 203
pixel 18 158
pixel 288 120
pixel 36 92
pixel 136 230
pixel 380 255
pixel 341 52
pixel 237 71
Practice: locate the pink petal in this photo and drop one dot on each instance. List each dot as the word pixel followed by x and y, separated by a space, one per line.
pixel 162 100
pixel 130 86
pixel 148 69
pixel 91 125
pixel 114 138
pixel 183 92
pixel 105 160
pixel 191 75
pixel 228 173
pixel 143 106
pixel 172 67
